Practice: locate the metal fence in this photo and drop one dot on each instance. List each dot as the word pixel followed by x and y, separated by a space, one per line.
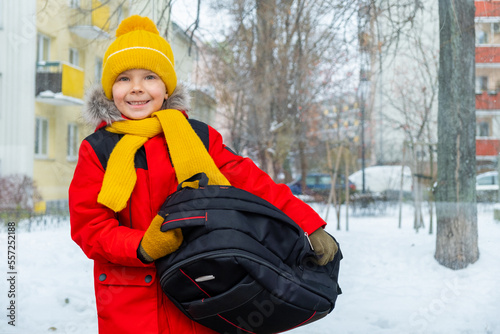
pixel 28 221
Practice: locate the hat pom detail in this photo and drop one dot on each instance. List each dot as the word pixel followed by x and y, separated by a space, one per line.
pixel 136 22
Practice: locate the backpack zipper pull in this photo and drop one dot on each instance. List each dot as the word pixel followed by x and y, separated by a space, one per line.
pixel 309 240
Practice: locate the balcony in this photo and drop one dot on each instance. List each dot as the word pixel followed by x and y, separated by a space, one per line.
pixel 488 101
pixel 487 148
pixel 487 8
pixel 59 83
pixel 488 55
pixel 93 24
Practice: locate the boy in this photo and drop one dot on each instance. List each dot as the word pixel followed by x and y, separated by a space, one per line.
pixel 124 176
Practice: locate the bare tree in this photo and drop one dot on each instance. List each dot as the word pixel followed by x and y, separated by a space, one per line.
pixel 456 240
pixel 279 58
pixel 18 193
pixel 385 27
pixel 412 96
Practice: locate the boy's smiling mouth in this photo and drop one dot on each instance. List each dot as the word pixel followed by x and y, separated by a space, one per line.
pixel 137 103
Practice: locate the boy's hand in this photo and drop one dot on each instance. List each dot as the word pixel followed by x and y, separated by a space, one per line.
pixel 323 245
pixel 156 244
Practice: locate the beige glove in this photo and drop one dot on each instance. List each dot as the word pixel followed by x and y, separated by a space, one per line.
pixel 156 244
pixel 323 245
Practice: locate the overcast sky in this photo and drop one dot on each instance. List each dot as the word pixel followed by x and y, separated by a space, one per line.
pixel 184 14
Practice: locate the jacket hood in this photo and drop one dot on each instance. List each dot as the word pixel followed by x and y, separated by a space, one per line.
pixel 98 108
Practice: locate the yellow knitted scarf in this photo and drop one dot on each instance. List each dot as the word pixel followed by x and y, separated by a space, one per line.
pixel 189 155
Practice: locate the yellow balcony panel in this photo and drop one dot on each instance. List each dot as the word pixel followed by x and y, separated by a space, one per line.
pixel 100 15
pixel 59 83
pixel 72 81
pixel 93 24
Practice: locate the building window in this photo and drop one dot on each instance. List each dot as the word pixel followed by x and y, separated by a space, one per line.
pixel 74 57
pixel 495 28
pixel 43 48
pixel 486 180
pixel 72 152
pixel 74 3
pixel 483 129
pixel 98 69
pixel 481 37
pixel 41 137
pixel 481 84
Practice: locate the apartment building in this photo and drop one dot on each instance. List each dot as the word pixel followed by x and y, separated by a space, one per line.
pixel 51 52
pixel 401 102
pixel 17 96
pixel 72 36
pixel 487 24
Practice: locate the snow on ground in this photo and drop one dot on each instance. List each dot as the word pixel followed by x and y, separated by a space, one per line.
pixel 54 287
pixel 392 284
pixel 390 281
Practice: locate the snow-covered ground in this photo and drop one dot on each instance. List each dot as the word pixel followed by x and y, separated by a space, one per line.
pixel 390 280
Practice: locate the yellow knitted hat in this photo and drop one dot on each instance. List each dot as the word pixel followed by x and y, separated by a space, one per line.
pixel 138 44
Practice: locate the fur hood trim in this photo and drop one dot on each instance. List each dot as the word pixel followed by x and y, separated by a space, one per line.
pixel 99 108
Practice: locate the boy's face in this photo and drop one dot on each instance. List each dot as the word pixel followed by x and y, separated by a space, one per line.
pixel 138 93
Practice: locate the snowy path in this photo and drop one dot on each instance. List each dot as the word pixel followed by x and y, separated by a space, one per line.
pixel 391 283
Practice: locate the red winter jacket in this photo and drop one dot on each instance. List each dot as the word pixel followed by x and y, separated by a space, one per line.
pixel 128 295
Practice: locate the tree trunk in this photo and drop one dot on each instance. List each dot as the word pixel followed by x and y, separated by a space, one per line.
pixel 303 164
pixel 431 195
pixel 347 194
pixel 456 238
pixel 262 71
pixel 418 221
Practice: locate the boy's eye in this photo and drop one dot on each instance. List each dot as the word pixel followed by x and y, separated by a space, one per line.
pixel 122 79
pixel 150 77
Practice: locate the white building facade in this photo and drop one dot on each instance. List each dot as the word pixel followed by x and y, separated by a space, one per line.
pixel 404 87
pixel 18 35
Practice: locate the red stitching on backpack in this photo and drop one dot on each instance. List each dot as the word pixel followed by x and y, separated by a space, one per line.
pixel 243 329
pixel 195 217
pixel 194 282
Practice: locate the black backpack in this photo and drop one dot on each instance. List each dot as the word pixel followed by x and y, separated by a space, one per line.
pixel 244 266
